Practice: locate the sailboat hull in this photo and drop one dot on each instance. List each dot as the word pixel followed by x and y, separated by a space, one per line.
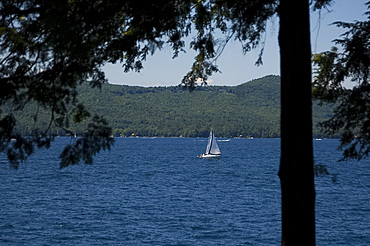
pixel 209 156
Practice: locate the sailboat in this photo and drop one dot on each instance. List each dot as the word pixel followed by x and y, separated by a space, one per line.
pixel 212 150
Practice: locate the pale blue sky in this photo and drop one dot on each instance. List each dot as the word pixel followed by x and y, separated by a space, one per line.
pixel 236 68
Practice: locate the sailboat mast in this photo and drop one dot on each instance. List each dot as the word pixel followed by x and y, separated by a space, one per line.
pixel 211 142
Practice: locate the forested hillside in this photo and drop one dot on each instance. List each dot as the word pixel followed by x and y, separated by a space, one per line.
pixel 250 109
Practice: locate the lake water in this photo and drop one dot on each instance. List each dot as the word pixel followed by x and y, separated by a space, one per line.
pixel 156 192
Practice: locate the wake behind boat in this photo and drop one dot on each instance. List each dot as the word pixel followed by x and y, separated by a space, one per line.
pixel 212 150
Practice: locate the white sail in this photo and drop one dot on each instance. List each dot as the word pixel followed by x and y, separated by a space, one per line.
pixel 212 146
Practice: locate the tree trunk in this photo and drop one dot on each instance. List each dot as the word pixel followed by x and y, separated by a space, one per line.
pixel 296 163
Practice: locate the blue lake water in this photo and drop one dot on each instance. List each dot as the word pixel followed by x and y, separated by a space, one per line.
pixel 156 192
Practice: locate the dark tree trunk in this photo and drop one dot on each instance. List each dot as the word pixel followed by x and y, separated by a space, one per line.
pixel 296 163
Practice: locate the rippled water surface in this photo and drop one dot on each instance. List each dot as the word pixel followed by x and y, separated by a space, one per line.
pixel 156 192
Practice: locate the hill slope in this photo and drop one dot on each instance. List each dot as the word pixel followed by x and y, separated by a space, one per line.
pixel 250 109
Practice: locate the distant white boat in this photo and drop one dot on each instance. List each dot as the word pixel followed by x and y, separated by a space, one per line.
pixel 212 150
pixel 225 140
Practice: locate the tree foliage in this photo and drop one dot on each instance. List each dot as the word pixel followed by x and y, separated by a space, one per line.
pixel 244 21
pixel 50 47
pixel 351 117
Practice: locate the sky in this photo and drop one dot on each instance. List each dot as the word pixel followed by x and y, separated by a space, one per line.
pixel 236 68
